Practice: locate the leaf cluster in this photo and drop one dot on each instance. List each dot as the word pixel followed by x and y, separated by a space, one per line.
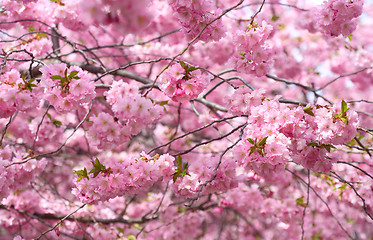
pixel 37 35
pixel 328 147
pixel 309 111
pixel 97 169
pixel 65 80
pixel 258 146
pixel 54 121
pixel 330 181
pixel 181 170
pixel 27 84
pixel 188 70
pixel 58 2
pixel 342 116
pixel 300 201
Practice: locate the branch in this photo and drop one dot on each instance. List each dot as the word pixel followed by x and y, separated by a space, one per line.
pixel 192 41
pixel 209 141
pixel 69 217
pixel 289 82
pixel 123 73
pixel 59 222
pixel 217 166
pixel 326 204
pixel 191 132
pixel 58 149
pixel 347 163
pixel 260 9
pixel 353 188
pixel 343 75
pixel 308 200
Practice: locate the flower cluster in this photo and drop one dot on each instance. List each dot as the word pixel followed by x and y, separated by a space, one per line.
pixel 66 88
pixel 17 93
pixel 50 130
pixel 124 176
pixel 253 55
pixel 202 171
pixel 195 15
pixel 334 17
pixel 132 109
pixel 132 113
pixel 182 82
pixel 243 100
pixel 304 135
pixel 16 176
pixel 106 133
pixel 249 202
pixel 130 16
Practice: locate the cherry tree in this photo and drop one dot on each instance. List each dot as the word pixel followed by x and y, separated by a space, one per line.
pixel 180 119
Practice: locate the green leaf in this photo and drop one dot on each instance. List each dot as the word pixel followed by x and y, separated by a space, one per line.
pixel 263 141
pixel 131 237
pixel 56 77
pixel 186 165
pixel 58 1
pixel 57 123
pixel 351 221
pixel 252 150
pixel 317 236
pixel 73 74
pixel 344 120
pixel 175 176
pixel 162 103
pixel 343 189
pixel 183 65
pixel 49 116
pixel 275 18
pixel 179 162
pixel 31 29
pixel 308 110
pixel 138 226
pixel 121 230
pixel 260 151
pixel 191 69
pixel 181 210
pixel 251 141
pixel 81 174
pixel 180 171
pixel 300 201
pixel 329 181
pixel 313 144
pixel 344 107
pixel 41 35
pixel 328 147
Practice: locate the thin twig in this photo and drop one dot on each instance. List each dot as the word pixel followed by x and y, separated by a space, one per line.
pixel 326 204
pixel 305 207
pixel 192 200
pixel 59 222
pixel 357 194
pixel 58 149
